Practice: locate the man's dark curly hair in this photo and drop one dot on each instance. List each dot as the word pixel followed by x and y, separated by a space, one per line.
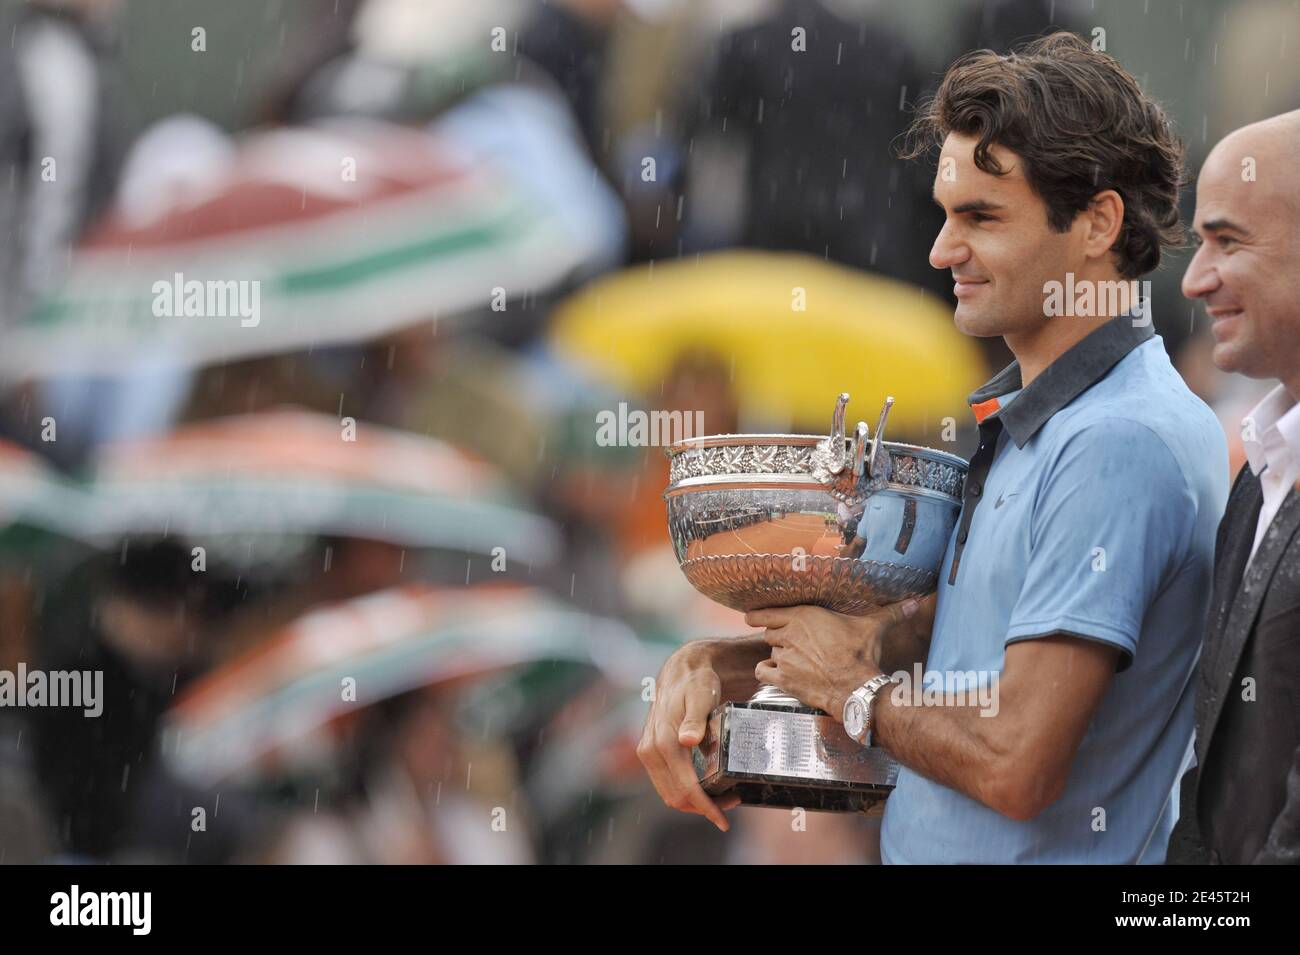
pixel 1079 124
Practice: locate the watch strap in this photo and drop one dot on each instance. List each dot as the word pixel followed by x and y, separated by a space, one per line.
pixel 871 690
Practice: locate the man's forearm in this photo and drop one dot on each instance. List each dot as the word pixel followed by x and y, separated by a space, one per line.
pixel 951 744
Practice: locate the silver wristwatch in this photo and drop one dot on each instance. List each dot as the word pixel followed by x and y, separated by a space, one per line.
pixel 858 707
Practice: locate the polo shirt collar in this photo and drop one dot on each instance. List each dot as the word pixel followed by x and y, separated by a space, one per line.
pixel 1073 373
pixel 1276 432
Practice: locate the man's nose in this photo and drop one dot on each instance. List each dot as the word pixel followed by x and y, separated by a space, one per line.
pixel 1201 278
pixel 948 251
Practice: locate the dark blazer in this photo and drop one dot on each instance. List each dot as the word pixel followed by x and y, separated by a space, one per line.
pixel 1241 804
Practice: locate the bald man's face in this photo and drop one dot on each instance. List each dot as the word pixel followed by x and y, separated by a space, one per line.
pixel 1247 268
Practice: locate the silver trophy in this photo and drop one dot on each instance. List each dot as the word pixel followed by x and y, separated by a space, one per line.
pixel 850 522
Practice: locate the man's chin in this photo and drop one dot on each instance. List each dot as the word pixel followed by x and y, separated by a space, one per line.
pixel 1233 357
pixel 975 322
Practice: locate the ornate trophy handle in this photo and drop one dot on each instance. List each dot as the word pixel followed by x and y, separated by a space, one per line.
pixel 870 465
pixel 836 445
pixel 873 463
pixel 860 443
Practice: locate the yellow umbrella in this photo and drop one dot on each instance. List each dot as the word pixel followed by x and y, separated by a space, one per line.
pixel 796 330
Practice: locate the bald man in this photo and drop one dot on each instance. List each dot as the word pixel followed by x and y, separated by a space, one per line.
pixel 1242 804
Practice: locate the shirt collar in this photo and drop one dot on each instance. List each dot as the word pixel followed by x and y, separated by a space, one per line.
pixel 1074 372
pixel 1278 413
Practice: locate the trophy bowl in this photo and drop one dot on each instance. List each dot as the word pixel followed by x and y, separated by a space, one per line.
pixel 849 522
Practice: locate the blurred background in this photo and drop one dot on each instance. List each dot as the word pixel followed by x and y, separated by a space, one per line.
pixel 364 579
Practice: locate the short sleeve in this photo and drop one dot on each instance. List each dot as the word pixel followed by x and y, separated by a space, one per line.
pixel 1112 519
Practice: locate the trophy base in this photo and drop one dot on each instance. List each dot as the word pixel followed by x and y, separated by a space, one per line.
pixel 774 751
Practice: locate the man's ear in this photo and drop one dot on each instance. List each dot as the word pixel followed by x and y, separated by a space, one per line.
pixel 1104 218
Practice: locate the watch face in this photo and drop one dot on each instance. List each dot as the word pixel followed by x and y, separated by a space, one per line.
pixel 854 717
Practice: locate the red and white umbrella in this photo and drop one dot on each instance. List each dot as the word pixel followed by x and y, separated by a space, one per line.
pixel 299 237
pixel 296 472
pixel 244 717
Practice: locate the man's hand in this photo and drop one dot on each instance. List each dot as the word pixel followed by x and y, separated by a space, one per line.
pixel 820 656
pixel 691 683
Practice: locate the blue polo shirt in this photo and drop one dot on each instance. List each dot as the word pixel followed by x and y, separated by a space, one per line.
pixel 1090 510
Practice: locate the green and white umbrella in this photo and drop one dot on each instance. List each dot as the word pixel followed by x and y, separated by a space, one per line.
pixel 292 472
pixel 33 495
pixel 303 237
pixel 244 718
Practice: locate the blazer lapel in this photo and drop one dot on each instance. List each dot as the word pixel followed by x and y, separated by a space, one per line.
pixel 1233 616
pixel 1240 537
pixel 1232 547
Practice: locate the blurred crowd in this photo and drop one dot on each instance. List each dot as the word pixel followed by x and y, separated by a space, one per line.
pixel 362 582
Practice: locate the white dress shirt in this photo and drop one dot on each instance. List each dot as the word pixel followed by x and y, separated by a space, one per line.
pixel 1271 438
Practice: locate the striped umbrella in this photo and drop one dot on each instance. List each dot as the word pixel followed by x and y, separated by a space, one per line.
pixel 240 719
pixel 34 495
pixel 290 471
pixel 302 237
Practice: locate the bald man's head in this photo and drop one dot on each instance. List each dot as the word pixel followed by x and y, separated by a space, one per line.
pixel 1247 268
pixel 1266 152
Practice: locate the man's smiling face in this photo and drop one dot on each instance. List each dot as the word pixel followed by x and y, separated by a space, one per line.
pixel 997 242
pixel 1247 268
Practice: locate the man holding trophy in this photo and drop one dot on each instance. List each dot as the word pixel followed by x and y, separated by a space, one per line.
pixel 1076 575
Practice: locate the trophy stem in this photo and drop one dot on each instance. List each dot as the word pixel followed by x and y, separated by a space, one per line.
pixel 770 695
